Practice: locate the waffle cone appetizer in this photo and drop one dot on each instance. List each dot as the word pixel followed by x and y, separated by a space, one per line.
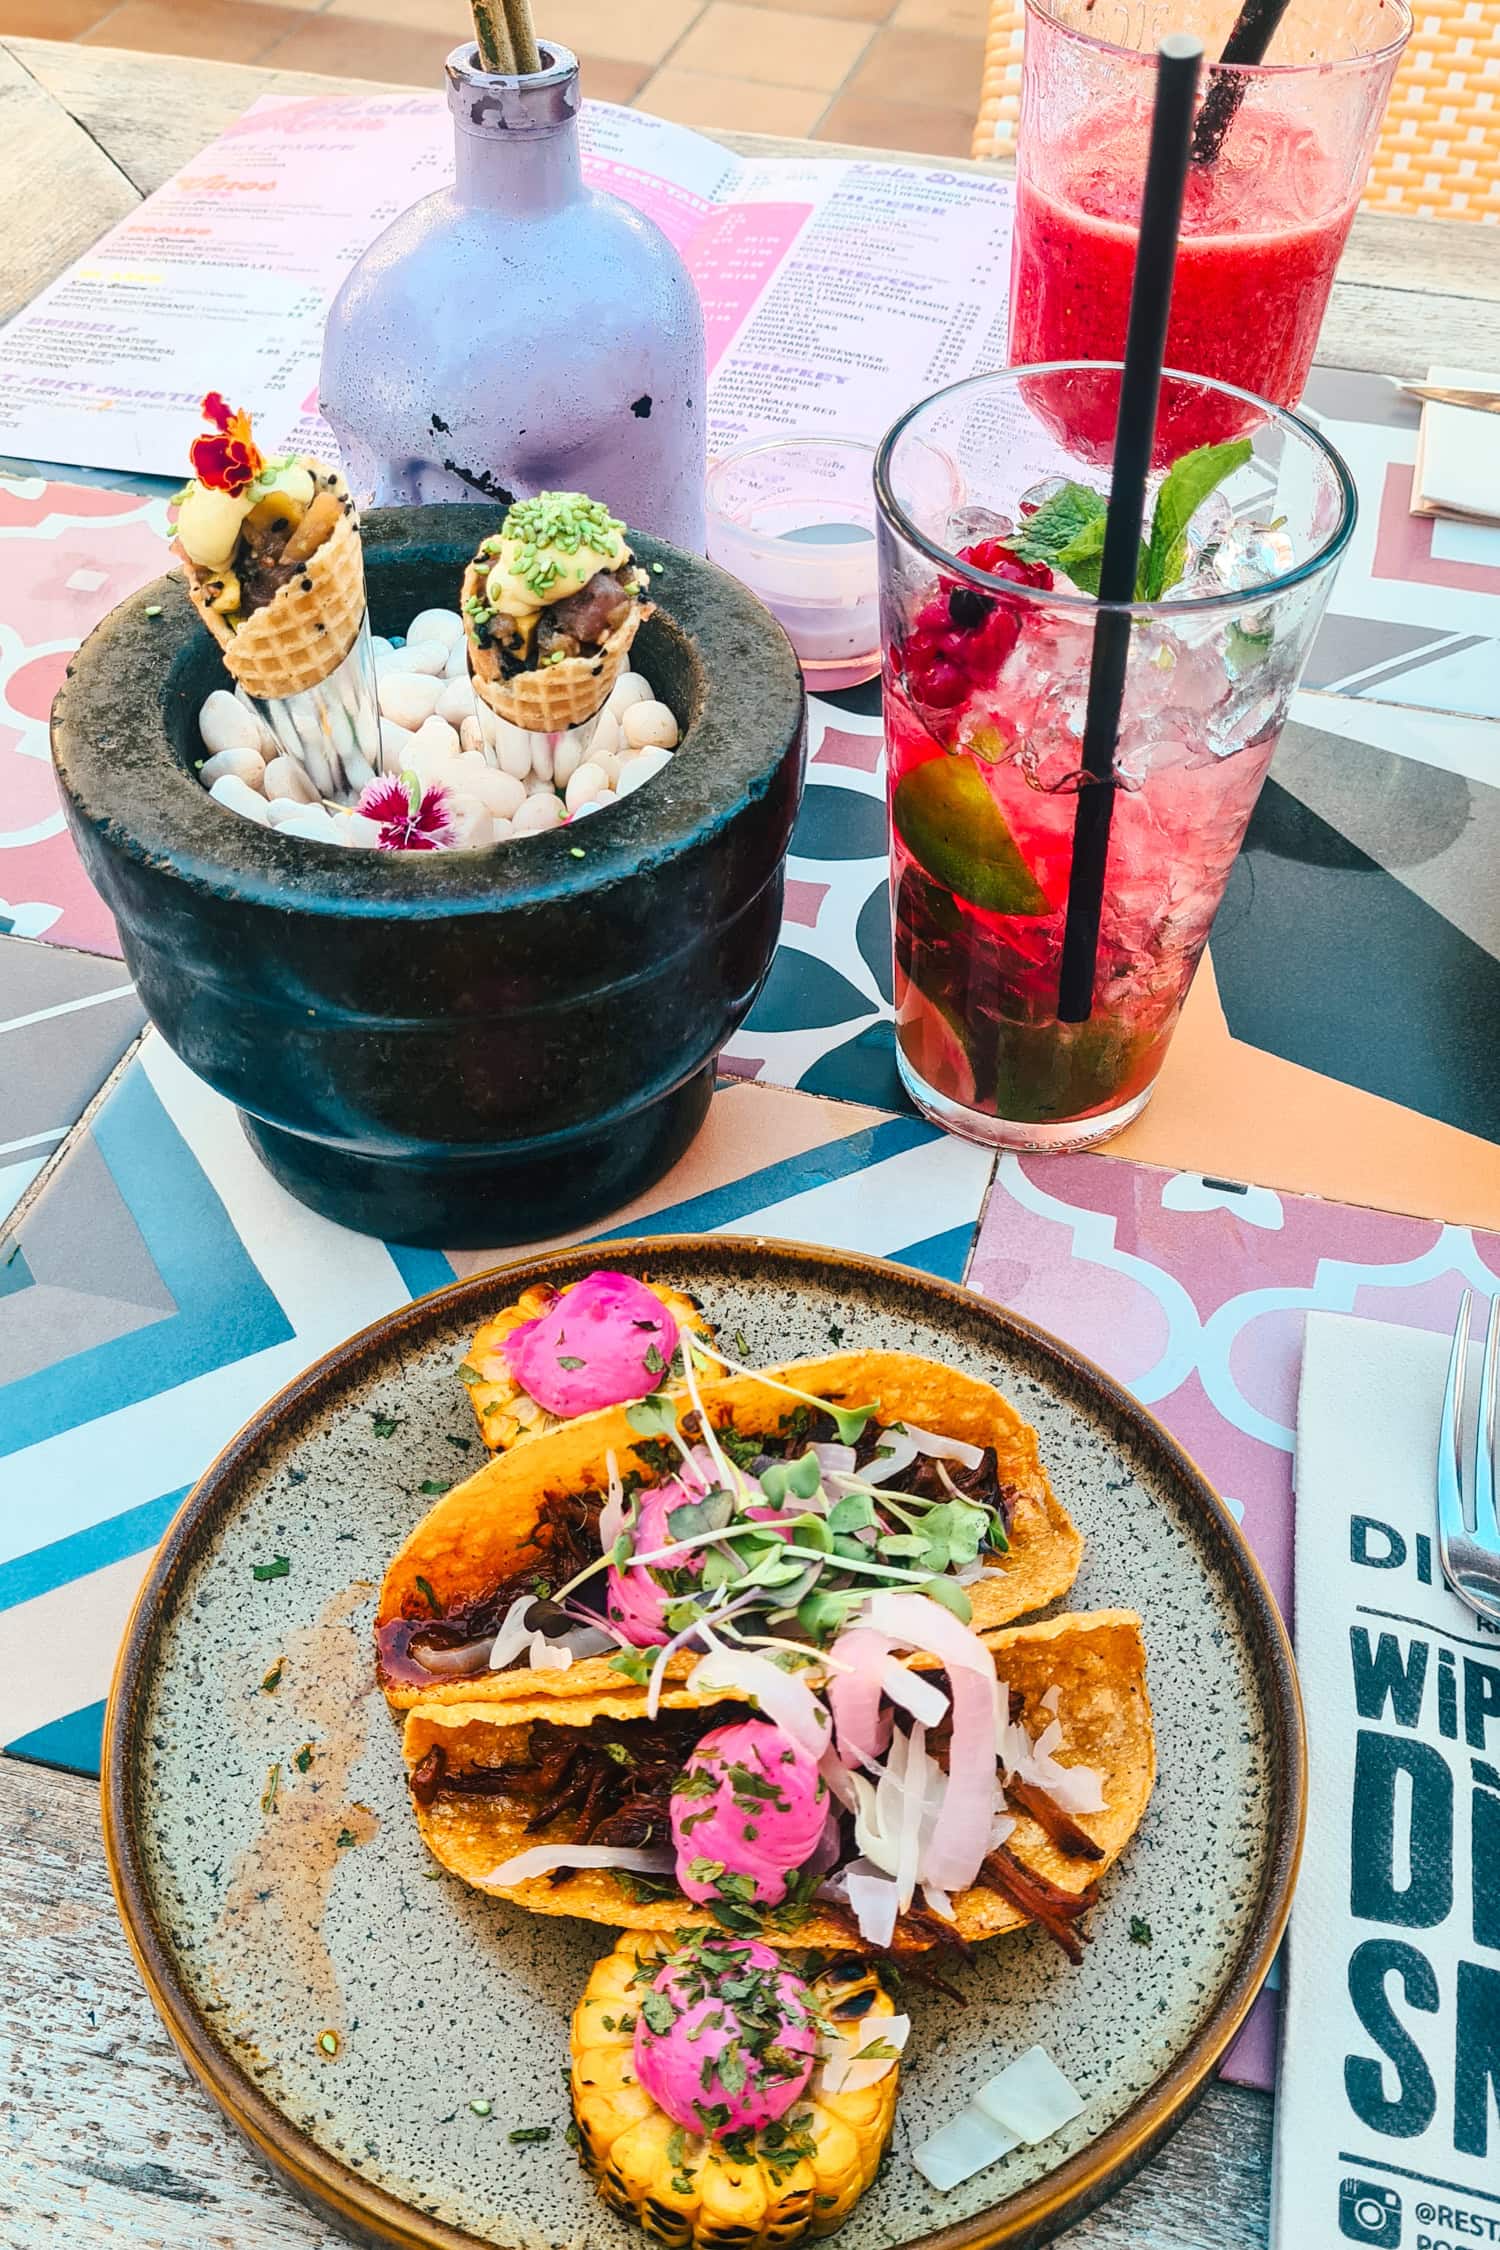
pixel 551 605
pixel 799 2176
pixel 272 558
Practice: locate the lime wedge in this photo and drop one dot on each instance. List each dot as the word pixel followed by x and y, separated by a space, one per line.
pixel 950 823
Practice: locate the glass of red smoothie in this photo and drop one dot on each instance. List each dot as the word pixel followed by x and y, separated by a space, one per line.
pixel 1264 219
pixel 987 621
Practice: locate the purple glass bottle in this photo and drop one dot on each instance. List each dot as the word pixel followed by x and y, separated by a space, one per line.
pixel 518 332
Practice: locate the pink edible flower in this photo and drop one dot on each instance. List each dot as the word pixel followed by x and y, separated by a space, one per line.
pixel 411 818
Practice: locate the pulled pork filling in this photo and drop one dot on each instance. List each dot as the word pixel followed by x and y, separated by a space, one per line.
pixel 611 1782
pixel 575 626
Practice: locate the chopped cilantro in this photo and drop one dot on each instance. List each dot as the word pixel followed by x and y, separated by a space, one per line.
pixel 1140 1930
pixel 461 1444
pixel 654 1363
pixel 384 1425
pixel 658 2011
pixel 304 1758
pixel 272 1680
pixel 428 1596
pixel 523 2136
pixel 345 1838
pixel 278 1567
pixel 433 1486
pixel 571 1365
pixel 268 1794
pixel 471 1376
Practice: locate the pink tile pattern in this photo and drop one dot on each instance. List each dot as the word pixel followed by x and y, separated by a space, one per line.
pixel 68 555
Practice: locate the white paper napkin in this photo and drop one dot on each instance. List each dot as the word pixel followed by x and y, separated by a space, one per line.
pixel 1388 2103
pixel 1457 471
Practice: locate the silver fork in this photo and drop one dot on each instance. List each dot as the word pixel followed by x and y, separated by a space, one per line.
pixel 1469 1538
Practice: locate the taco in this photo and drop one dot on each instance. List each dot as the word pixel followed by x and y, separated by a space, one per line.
pixel 972 1785
pixel 596 1558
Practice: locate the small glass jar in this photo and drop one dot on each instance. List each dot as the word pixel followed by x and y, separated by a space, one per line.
pixel 793 518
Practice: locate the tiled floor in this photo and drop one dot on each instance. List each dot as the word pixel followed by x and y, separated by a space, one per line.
pixel 884 73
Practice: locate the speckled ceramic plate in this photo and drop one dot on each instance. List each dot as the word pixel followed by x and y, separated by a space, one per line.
pixel 275 1890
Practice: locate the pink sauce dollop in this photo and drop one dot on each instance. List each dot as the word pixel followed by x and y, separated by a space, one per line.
pixel 755 1806
pixel 678 2066
pixel 606 1340
pixel 636 1600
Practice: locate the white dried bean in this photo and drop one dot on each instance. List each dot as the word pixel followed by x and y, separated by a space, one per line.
pixel 536 814
pixel 650 726
pixel 224 723
pixel 609 765
pixel 586 783
pixel 567 758
pixel 536 787
pixel 457 666
pixel 407 697
pixel 470 819
pixel 641 768
pixel 313 824
pixel 605 734
pixel 543 754
pixel 435 743
pixel 247 764
pixel 512 747
pixel 429 658
pixel 629 688
pixel 471 737
pixel 285 778
pixel 456 702
pixel 500 791
pixel 237 797
pixel 501 830
pixel 443 625
pixel 357 830
pixel 279 810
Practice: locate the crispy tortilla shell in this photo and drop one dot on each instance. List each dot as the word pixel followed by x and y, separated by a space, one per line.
pixel 483 1531
pixel 1096 1659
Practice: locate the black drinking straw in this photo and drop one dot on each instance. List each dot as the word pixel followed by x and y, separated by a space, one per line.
pixel 1254 29
pixel 1177 61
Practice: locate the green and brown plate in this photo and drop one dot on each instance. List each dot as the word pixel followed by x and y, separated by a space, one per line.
pixel 382 2033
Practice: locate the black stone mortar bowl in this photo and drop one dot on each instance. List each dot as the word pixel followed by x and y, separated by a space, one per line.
pixel 468 1048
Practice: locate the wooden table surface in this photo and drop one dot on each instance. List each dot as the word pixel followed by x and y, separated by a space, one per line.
pixel 105 2141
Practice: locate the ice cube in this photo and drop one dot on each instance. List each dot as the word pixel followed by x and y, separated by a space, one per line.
pixel 1250 554
pixel 1037 495
pixel 967 526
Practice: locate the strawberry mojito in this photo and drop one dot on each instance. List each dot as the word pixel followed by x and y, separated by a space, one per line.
pixel 988 616
pixel 1263 222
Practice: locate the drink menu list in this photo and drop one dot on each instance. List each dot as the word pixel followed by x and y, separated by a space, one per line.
pixel 835 293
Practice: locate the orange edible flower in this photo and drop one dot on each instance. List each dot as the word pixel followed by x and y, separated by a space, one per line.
pixel 228 460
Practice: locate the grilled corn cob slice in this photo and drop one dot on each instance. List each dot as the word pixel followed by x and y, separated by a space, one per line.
pixel 803 2177
pixel 505 1413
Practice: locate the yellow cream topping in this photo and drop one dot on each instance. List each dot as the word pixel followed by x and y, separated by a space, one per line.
pixel 208 521
pixel 549 548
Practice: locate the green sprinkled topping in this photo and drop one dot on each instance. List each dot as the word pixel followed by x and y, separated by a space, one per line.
pixel 153 609
pixel 329 2042
pixel 563 522
pixel 482 2109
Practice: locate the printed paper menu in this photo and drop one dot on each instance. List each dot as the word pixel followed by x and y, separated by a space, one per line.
pixel 835 293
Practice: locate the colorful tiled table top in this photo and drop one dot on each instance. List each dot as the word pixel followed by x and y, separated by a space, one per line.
pixel 1332 1076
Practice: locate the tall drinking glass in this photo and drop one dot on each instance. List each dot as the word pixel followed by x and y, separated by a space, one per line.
pixel 986 672
pixel 1263 221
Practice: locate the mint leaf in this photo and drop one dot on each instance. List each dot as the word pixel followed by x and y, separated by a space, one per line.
pixel 1082 557
pixel 1183 490
pixel 1057 523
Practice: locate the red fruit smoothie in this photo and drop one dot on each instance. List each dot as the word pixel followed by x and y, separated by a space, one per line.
pixel 1262 229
